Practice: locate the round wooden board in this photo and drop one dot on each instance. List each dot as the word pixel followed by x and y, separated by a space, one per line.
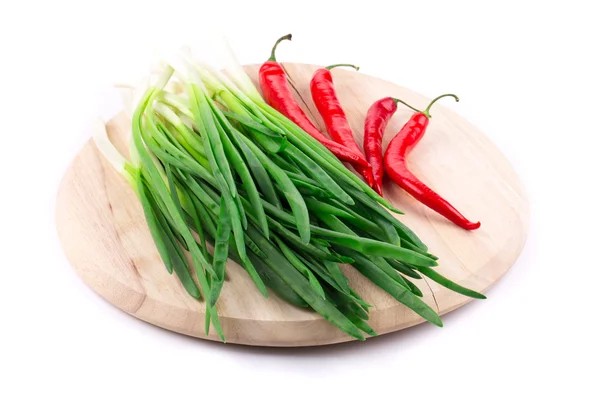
pixel 104 235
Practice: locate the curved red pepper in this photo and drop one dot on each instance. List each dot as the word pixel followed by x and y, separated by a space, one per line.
pixel 378 116
pixel 336 122
pixel 277 93
pixel 396 168
pixel 377 119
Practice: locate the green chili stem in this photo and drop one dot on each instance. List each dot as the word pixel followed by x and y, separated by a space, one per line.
pixel 406 104
pixel 330 67
pixel 281 39
pixel 426 111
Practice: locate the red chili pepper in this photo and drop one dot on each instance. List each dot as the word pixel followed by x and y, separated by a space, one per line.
pixel 377 118
pixel 396 168
pixel 277 93
pixel 330 108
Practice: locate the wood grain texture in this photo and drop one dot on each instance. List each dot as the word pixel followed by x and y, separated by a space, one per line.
pixel 103 232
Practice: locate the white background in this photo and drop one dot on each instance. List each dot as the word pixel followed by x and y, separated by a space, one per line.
pixel 527 74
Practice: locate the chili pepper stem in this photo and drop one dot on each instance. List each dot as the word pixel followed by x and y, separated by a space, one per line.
pixel 342 65
pixel 426 111
pixel 281 39
pixel 406 104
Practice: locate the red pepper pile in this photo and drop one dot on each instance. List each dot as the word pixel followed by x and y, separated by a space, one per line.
pixel 277 93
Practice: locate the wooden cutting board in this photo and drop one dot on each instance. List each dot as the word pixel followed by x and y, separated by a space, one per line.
pixel 104 235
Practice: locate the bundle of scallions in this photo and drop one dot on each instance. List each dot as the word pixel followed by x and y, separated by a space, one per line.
pixel 212 163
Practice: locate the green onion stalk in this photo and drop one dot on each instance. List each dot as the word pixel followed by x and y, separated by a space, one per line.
pixel 221 176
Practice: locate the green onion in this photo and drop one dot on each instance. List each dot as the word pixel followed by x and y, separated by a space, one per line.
pixel 219 162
